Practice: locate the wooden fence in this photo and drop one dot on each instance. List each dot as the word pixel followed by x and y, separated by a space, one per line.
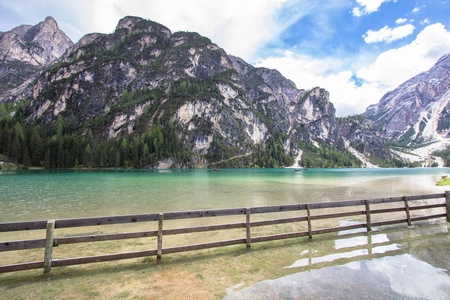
pixel 366 206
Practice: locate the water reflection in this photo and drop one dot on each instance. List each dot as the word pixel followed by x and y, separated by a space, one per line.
pixel 365 265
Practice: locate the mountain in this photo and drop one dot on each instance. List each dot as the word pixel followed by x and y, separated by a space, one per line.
pixel 418 111
pixel 175 98
pixel 363 139
pixel 25 51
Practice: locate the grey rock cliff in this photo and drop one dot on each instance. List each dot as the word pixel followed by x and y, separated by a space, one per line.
pixel 362 135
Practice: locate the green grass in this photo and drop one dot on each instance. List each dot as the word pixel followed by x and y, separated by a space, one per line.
pixel 443 182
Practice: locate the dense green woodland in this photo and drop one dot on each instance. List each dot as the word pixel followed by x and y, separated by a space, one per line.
pixel 64 145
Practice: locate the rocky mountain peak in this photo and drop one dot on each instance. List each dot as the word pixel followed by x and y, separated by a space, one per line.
pixel 48 36
pixel 25 51
pixel 417 111
pixel 128 22
pixel 37 45
pixel 132 24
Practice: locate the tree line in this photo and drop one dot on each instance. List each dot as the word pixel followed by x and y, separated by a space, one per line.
pixel 55 147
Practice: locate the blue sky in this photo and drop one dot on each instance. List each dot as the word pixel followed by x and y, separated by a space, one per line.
pixel 356 49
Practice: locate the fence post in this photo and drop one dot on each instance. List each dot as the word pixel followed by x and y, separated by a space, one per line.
pixel 408 216
pixel 447 204
pixel 308 214
pixel 160 236
pixel 369 244
pixel 368 219
pixel 247 227
pixel 49 237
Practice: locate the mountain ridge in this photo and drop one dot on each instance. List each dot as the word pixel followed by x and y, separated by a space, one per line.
pixel 178 90
pixel 417 111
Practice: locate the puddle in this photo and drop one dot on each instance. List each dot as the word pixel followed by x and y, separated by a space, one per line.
pixel 398 277
pixel 360 241
pixel 397 263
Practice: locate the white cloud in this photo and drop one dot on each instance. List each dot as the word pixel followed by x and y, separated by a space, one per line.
pixel 388 71
pixel 357 12
pixel 416 10
pixel 308 73
pixel 401 21
pixel 425 22
pixel 239 26
pixel 367 7
pixel 387 34
pixel 395 66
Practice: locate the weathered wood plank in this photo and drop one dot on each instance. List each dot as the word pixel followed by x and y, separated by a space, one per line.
pixel 429 217
pixel 410 198
pixel 203 213
pixel 277 208
pixel 22 267
pixel 338 215
pixel 101 258
pixel 22 245
pixel 387 210
pixel 336 204
pixel 203 246
pixel 19 226
pixel 104 237
pixel 67 223
pixel 278 221
pixel 202 228
pixel 426 206
pixel 426 197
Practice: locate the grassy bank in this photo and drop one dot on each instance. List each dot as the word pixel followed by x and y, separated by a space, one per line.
pixel 444 182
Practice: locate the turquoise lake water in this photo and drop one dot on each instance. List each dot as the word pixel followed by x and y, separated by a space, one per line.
pixel 36 195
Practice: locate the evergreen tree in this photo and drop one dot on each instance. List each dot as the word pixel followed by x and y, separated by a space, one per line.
pixel 36 147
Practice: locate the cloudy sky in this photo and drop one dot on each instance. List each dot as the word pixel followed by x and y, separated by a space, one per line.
pixel 356 49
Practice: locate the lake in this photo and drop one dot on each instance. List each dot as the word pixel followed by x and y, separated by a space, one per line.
pixel 37 195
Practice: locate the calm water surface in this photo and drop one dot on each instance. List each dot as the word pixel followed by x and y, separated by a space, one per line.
pixel 35 195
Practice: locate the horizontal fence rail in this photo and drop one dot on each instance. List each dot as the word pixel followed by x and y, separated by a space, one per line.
pixel 51 241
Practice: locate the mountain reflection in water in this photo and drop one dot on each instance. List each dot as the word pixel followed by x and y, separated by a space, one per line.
pixel 395 264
